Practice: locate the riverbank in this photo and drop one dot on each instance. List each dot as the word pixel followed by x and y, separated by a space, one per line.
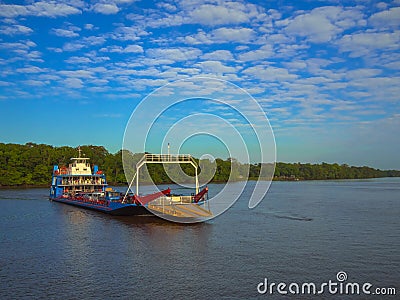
pixel 41 186
pixel 31 165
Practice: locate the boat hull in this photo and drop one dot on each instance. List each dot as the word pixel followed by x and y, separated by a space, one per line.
pixel 115 209
pixel 132 210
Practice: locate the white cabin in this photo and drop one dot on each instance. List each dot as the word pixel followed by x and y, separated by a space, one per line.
pixel 80 166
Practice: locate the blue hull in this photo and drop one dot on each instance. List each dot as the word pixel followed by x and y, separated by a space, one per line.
pixel 115 209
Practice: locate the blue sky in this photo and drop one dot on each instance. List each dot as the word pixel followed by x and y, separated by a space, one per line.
pixel 326 73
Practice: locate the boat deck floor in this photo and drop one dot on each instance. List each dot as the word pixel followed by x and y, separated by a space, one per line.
pixel 183 210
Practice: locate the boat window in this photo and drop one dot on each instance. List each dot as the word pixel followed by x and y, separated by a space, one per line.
pixel 113 194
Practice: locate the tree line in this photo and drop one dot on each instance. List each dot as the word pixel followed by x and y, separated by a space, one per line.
pixel 32 164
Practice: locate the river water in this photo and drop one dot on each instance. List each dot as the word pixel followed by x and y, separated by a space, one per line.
pixel 301 232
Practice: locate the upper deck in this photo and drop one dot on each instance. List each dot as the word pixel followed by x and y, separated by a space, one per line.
pixel 79 166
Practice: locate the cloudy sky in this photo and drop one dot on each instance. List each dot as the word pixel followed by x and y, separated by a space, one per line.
pixel 326 73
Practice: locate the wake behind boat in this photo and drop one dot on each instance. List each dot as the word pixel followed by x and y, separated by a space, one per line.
pixel 81 186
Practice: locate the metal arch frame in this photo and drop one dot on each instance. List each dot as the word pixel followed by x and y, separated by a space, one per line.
pixel 167 159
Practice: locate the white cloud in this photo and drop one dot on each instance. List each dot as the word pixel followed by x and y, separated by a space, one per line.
pixel 174 54
pixel 262 53
pixel 5 83
pixel 323 24
pixel 77 74
pixel 225 35
pixel 78 60
pixel 220 36
pixel 362 73
pixel 30 69
pixel 40 9
pixel 387 87
pixel 360 44
pixel 56 50
pixel 393 65
pixel 387 18
pixel 106 8
pixel 218 55
pixel 32 82
pixel 48 77
pixel 143 83
pixel 126 33
pixel 15 29
pixel 119 49
pixel 93 40
pixel 124 1
pixel 217 15
pixel 314 26
pixel 133 49
pixel 84 43
pixel 89 26
pixel 74 83
pixel 241 47
pixel 167 6
pixel 11 10
pixel 269 73
pixel 217 67
pixel 21 51
pixel 64 32
pixel 184 71
pixel 296 65
pixel 382 5
pixel 97 69
pixel 198 38
pixel 52 9
pixel 167 21
pixel 147 61
pixel 206 14
pixel 72 46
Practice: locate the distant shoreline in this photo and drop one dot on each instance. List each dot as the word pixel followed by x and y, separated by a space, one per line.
pixel 41 186
pixel 31 165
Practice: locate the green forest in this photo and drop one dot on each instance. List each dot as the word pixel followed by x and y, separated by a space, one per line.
pixel 31 165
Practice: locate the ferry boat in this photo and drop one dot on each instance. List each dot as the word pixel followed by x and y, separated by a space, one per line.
pixel 80 185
